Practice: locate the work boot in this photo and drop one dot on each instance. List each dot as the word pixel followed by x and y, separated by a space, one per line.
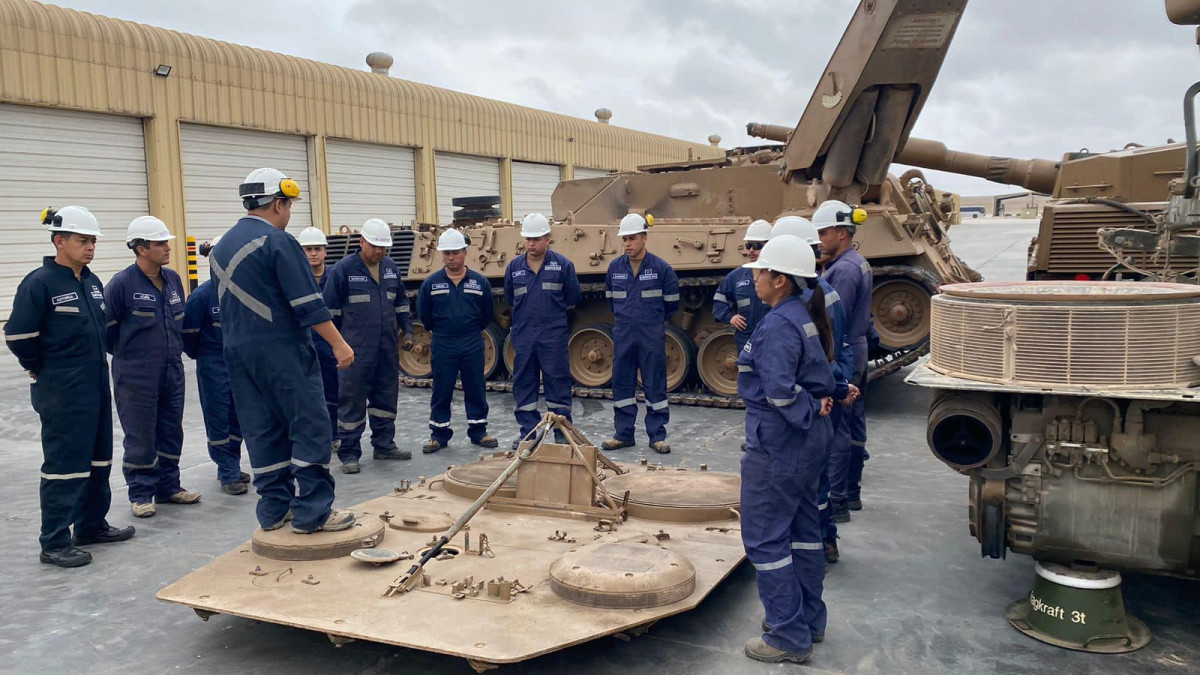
pixel 759 650
pixel 184 497
pixel 431 446
pixel 816 637
pixel 336 522
pixel 243 477
pixel 560 437
pixel 840 513
pixel 615 444
pixel 831 552
pixel 287 518
pixel 237 487
pixel 394 453
pixel 661 447
pixel 488 441
pixel 516 443
pixel 109 535
pixel 68 556
pixel 350 467
pixel 743 446
pixel 854 505
pixel 142 509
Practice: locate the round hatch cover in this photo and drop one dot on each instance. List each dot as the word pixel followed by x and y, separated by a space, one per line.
pixel 421 522
pixel 283 544
pixel 376 556
pixel 471 480
pixel 678 496
pixel 622 575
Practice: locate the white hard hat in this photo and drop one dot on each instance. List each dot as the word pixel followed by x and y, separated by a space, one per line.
pixel 535 225
pixel 71 219
pixel 631 224
pixel 309 236
pixel 838 214
pixel 452 240
pixel 377 232
pixel 759 230
pixel 263 186
pixel 787 254
pixel 147 228
pixel 797 227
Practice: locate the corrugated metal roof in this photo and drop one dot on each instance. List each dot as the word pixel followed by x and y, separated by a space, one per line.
pixel 67 58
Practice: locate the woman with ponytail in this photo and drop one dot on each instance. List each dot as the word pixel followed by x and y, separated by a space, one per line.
pixel 785 378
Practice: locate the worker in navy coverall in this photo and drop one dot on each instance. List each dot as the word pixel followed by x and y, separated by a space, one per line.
pixel 785 378
pixel 643 293
pixel 365 294
pixel 541 287
pixel 735 302
pixel 56 330
pixel 202 341
pixel 850 274
pixel 316 247
pixel 145 338
pixel 269 300
pixel 455 305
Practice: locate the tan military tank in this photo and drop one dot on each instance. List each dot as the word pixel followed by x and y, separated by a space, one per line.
pixel 862 111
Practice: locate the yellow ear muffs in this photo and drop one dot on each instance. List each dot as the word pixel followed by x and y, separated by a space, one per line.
pixel 289 188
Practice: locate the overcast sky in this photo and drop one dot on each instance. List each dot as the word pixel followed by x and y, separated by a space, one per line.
pixel 1022 78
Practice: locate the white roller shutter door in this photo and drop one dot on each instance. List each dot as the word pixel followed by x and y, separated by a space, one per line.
pixel 463 176
pixel 584 172
pixel 56 158
pixel 370 181
pixel 216 160
pixel 532 185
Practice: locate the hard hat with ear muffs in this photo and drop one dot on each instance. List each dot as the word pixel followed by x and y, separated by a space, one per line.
pixel 69 219
pixel 264 186
pixel 838 214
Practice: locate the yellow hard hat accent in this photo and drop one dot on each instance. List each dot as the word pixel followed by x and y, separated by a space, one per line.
pixel 649 220
pixel 858 216
pixel 290 188
pixel 47 213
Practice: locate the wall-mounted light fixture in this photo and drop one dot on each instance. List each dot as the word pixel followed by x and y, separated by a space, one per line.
pixel 162 70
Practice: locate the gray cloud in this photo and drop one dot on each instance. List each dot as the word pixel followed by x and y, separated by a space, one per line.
pixel 1023 77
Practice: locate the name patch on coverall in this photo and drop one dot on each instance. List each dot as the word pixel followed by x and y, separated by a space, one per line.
pixel 66 297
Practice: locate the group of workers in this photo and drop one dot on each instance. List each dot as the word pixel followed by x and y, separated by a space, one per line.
pixel 296 359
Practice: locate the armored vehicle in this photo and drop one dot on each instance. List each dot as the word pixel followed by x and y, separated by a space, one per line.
pixel 863 109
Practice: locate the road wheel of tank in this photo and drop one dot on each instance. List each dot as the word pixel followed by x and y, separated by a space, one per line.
pixel 510 355
pixel 590 354
pixel 493 350
pixel 417 363
pixel 716 362
pixel 681 357
pixel 901 308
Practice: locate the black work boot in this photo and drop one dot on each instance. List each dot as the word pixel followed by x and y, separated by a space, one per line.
pixel 840 513
pixel 68 556
pixel 394 453
pixel 237 487
pixel 854 504
pixel 109 535
pixel 832 554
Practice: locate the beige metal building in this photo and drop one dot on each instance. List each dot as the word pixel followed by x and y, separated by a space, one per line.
pixel 128 119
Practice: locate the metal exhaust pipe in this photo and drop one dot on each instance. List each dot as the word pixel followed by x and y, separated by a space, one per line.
pixel 965 429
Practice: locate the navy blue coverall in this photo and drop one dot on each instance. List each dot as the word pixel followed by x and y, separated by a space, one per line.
pixel 329 369
pixel 56 330
pixel 268 301
pixel 782 375
pixel 736 295
pixel 457 314
pixel 203 342
pixel 540 301
pixel 145 338
pixel 370 315
pixel 843 368
pixel 850 274
pixel 642 304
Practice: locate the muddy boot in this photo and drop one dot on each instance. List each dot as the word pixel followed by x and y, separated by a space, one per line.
pixel 759 650
pixel 287 518
pixel 68 556
pixel 488 441
pixel 661 447
pixel 336 522
pixel 183 497
pixel 351 467
pixel 142 509
pixel 431 446
pixel 237 487
pixel 615 444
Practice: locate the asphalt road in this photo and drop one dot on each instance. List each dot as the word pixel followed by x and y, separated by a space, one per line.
pixel 911 593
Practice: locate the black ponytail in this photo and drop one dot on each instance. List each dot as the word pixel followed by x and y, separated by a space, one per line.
pixel 816 310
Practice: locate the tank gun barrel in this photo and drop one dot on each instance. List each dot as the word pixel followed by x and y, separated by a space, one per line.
pixel 1038 175
pixel 771 132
